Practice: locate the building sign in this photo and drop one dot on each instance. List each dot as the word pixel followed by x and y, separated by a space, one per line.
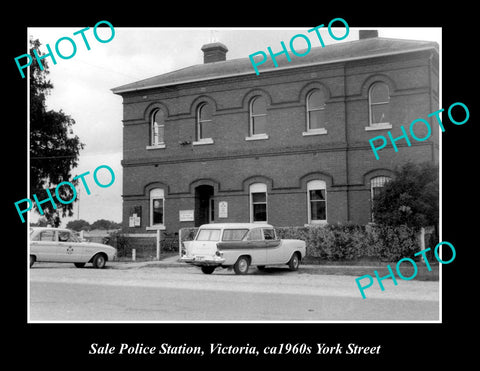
pixel 186 215
pixel 223 209
pixel 134 220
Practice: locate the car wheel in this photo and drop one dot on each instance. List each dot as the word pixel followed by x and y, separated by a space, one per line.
pixel 208 269
pixel 242 265
pixel 79 265
pixel 294 262
pixel 32 260
pixel 99 261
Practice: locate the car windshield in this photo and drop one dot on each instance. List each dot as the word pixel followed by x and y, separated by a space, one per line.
pixel 208 235
pixel 234 234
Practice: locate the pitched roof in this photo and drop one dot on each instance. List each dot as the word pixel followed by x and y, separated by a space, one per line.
pixel 340 52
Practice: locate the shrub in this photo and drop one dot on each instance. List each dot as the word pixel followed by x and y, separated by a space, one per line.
pixel 120 242
pixel 335 242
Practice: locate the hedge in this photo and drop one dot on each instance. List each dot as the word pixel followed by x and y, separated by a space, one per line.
pixel 335 242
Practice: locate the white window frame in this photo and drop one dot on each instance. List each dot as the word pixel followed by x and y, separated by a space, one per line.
pixel 258 188
pixel 155 194
pixel 198 122
pixel 379 125
pixel 153 125
pixel 251 135
pixel 313 185
pixel 316 131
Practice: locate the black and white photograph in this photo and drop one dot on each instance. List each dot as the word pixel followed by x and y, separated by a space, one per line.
pixel 221 185
pixel 229 187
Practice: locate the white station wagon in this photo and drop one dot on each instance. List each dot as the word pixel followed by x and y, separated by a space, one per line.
pixel 241 245
pixel 62 245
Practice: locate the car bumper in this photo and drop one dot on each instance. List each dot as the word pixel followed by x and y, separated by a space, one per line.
pixel 202 261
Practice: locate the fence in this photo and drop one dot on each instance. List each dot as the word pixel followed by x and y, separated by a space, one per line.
pixel 335 242
pixel 143 246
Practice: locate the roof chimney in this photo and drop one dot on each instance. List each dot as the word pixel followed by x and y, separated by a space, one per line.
pixel 214 52
pixel 367 34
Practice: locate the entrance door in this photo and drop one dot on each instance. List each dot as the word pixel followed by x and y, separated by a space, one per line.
pixel 204 205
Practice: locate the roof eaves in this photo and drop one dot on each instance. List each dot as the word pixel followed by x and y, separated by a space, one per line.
pixel 331 61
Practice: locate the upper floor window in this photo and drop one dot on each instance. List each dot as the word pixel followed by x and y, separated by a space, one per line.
pixel 204 127
pixel 258 118
pixel 379 105
pixel 317 201
pixel 157 127
pixel 315 112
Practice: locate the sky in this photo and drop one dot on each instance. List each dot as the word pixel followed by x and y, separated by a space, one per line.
pixel 82 84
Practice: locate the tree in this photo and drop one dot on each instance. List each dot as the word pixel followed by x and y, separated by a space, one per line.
pixel 41 222
pixel 105 224
pixel 54 149
pixel 411 198
pixel 78 225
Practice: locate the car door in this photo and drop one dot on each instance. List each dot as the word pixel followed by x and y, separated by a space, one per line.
pixel 276 254
pixel 256 246
pixel 70 250
pixel 44 245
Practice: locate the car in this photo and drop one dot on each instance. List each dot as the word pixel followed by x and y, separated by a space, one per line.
pixel 241 245
pixel 63 245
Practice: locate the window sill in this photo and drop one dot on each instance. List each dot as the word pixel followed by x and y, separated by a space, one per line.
pixel 316 223
pixel 383 126
pixel 257 137
pixel 202 142
pixel 156 146
pixel 320 131
pixel 155 228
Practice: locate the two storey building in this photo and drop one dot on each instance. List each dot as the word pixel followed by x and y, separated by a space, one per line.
pixel 216 143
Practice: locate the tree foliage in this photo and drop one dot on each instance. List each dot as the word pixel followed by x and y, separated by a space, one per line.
pixel 105 224
pixel 54 149
pixel 411 198
pixel 78 225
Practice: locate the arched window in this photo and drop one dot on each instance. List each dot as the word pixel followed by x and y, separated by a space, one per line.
pixel 315 109
pixel 317 201
pixel 157 127
pixel 258 116
pixel 376 186
pixel 157 201
pixel 258 202
pixel 379 104
pixel 204 123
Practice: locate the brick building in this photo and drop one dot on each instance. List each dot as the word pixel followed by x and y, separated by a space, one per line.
pixel 216 143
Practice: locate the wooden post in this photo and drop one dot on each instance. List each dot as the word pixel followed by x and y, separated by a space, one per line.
pixel 422 241
pixel 158 244
pixel 180 243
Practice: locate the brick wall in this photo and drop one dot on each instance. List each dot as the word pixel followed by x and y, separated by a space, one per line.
pixel 287 159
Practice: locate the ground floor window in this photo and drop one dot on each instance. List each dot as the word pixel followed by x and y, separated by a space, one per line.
pixel 258 202
pixel 317 201
pixel 376 186
pixel 157 201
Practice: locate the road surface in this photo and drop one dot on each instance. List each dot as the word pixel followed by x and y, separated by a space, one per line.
pixel 64 293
